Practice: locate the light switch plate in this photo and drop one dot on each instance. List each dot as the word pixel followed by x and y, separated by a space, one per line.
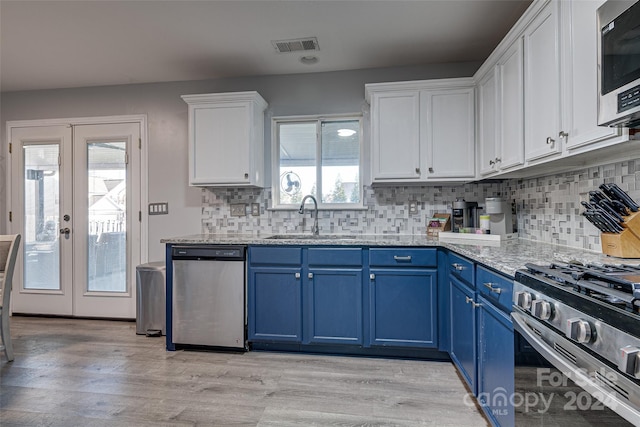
pixel 238 209
pixel 255 209
pixel 159 208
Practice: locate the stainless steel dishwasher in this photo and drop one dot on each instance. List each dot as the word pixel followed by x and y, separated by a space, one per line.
pixel 209 296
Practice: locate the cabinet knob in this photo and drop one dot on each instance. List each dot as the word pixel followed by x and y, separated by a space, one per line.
pixel 550 141
pixel 563 134
pixel 310 275
pixel 417 170
pixel 297 275
pixel 431 170
pixel 372 276
pixel 498 159
pixel 246 176
pixel 491 162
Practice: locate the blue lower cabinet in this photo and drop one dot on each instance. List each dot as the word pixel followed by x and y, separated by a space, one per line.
pixel 463 330
pixel 403 308
pixel 334 314
pixel 275 304
pixel 496 364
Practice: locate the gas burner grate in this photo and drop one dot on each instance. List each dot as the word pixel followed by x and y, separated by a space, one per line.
pixel 617 285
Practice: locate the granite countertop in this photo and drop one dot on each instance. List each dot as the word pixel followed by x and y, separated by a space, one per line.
pixel 506 257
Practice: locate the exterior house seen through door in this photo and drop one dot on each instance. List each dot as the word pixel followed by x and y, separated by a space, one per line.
pixel 75 196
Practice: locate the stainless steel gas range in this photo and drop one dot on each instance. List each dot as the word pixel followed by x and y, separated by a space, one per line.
pixel 585 321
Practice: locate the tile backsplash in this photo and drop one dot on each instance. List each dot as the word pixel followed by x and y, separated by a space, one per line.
pixel 547 208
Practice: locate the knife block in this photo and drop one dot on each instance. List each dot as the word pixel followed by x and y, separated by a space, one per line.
pixel 625 244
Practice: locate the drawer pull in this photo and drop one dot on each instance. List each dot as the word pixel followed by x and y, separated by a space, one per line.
pixel 491 288
pixel 297 275
pixel 473 304
pixel 402 258
pixel 310 275
pixel 372 276
pixel 457 266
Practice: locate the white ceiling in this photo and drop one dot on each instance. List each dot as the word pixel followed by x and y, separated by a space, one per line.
pixel 62 44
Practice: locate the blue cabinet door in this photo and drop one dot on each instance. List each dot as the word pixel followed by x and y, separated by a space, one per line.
pixel 334 306
pixel 463 330
pixel 403 307
pixel 496 364
pixel 275 304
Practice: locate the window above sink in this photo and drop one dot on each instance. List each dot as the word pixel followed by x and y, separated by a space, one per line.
pixel 320 156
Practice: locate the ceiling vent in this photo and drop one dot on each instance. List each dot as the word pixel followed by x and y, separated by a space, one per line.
pixel 296 45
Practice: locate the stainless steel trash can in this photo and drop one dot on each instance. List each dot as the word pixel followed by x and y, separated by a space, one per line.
pixel 150 299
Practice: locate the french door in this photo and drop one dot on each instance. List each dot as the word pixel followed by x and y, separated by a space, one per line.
pixel 75 198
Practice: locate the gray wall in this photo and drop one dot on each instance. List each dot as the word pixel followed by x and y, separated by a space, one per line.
pixel 300 94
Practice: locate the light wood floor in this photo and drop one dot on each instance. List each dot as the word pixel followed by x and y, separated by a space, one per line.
pixel 100 373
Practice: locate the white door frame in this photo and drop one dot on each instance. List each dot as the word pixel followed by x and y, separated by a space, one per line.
pixel 140 119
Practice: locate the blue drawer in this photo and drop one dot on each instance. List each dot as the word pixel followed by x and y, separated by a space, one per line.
pixel 350 257
pixel 275 255
pixel 461 268
pixel 403 257
pixel 495 287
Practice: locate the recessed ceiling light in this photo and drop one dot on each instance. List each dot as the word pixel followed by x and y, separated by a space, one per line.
pixel 346 132
pixel 309 60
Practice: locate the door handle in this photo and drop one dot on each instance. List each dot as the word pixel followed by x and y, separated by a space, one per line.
pixel 65 231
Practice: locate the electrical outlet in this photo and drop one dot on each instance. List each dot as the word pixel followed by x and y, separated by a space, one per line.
pixel 255 209
pixel 238 209
pixel 413 207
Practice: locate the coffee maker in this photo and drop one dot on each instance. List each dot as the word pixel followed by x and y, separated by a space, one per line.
pixel 465 214
pixel 499 213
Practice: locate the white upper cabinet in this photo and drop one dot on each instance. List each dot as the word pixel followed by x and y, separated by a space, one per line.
pixel 422 131
pixel 488 122
pixel 501 114
pixel 226 139
pixel 447 129
pixel 580 74
pixel 511 107
pixel 543 131
pixel 537 93
pixel 395 135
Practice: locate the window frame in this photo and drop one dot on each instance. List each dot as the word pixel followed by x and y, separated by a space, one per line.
pixel 275 160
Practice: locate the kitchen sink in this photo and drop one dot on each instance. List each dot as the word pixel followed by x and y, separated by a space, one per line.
pixel 311 237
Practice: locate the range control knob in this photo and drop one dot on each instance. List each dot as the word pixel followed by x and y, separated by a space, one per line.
pixel 523 299
pixel 541 309
pixel 629 361
pixel 579 330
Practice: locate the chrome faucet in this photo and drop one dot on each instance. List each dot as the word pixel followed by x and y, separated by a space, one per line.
pixel 315 230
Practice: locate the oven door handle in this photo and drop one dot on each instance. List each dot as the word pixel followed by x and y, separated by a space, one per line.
pixel 622 407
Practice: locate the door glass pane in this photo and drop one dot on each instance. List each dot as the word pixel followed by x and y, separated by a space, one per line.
pixel 107 211
pixel 341 161
pixel 297 161
pixel 41 217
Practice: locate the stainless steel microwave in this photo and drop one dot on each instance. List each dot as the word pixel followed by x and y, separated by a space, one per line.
pixel 619 63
